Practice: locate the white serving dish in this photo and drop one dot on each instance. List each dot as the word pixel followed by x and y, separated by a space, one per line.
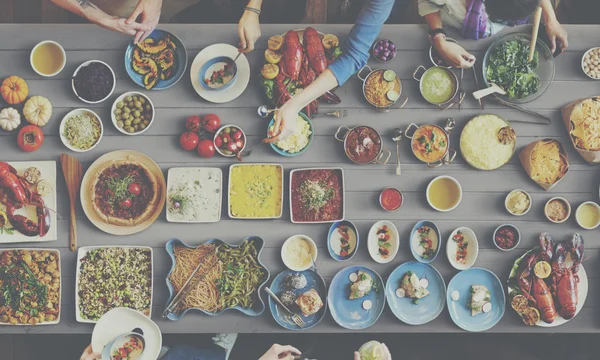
pixel 120 98
pixel 568 212
pixel 460 193
pixel 313 247
pixel 524 192
pixel 342 190
pixel 59 290
pixel 229 193
pixel 81 253
pixel 63 123
pixel 174 174
pixel 472 249
pixel 85 64
pixel 373 246
pixel 582 65
pixel 576 211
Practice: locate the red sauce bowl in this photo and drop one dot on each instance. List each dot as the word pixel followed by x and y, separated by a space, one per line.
pixel 391 199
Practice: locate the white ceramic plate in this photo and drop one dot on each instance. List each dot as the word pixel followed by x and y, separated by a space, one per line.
pixel 472 248
pixel 48 170
pixel 372 242
pixel 122 320
pixel 80 254
pixel 210 180
pixel 233 91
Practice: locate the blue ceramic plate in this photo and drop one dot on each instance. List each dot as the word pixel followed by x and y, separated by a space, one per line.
pixel 207 69
pixel 257 307
pixel 460 311
pixel 333 233
pixel 350 313
pixel 313 281
pixel 180 62
pixel 427 308
pixel 414 241
pixel 310 138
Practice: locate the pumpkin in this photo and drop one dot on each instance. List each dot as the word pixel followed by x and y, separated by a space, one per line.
pixel 14 90
pixel 10 119
pixel 37 110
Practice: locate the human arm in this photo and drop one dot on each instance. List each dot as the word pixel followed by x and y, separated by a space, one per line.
pixel 278 351
pixel 249 27
pixel 452 53
pixel 554 29
pixel 89 11
pixel 150 13
pixel 88 354
pixel 386 353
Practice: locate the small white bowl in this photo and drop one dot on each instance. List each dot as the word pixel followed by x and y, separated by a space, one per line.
pixel 85 64
pixel 62 50
pixel 597 208
pixel 120 98
pixel 518 237
pixel 219 132
pixel 373 246
pixel 472 249
pixel 63 123
pixel 568 211
pixel 284 255
pixel 460 193
pixel 582 65
pixel 526 194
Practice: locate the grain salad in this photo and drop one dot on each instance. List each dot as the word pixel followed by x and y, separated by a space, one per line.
pixel 82 130
pixel 487 142
pixel 114 277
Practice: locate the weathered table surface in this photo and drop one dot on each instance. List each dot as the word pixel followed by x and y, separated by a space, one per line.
pixel 482 207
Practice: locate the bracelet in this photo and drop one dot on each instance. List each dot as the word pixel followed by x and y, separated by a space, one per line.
pixel 435 32
pixel 251 9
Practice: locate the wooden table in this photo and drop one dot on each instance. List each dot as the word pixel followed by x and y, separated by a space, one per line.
pixel 482 208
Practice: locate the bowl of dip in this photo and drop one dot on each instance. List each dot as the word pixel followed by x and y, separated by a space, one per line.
pixel 48 58
pixel 425 239
pixel 391 199
pixel 507 237
pixel 557 210
pixel 444 193
pixel 296 252
pixel 214 75
pixel 438 85
pixel 588 215
pixel 342 240
pixel 518 202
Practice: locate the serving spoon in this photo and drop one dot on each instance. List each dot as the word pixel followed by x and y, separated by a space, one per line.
pixel 398 135
pixel 493 89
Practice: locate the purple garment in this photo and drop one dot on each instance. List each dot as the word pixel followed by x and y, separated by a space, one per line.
pixel 475 24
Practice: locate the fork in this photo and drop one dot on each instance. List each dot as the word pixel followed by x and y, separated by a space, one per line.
pixel 295 317
pixel 338 113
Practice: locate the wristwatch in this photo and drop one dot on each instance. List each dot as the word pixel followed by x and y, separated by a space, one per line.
pixel 434 32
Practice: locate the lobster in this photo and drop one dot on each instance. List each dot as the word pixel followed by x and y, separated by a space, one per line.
pixel 292 55
pixel 565 279
pixel 544 300
pixel 525 274
pixel 314 50
pixel 16 194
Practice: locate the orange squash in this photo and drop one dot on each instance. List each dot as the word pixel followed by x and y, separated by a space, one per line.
pixel 14 90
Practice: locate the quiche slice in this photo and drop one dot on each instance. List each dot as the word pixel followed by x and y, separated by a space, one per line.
pixel 309 302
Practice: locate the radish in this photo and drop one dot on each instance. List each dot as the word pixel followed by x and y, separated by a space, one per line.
pixel 353 277
pixel 424 283
pixel 367 305
pixel 487 307
pixel 400 293
pixel 455 295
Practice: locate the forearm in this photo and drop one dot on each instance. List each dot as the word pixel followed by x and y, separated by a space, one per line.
pixel 547 11
pixel 433 20
pixel 325 82
pixel 85 9
pixel 257 4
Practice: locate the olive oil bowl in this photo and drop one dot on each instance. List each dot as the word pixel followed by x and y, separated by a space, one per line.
pixel 48 58
pixel 444 193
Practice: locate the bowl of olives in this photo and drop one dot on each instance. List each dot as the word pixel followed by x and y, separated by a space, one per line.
pixel 132 113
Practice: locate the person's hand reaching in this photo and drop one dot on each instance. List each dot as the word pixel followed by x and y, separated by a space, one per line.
pixel 452 53
pixel 385 356
pixel 284 122
pixel 150 14
pixel 120 25
pixel 88 354
pixel 555 32
pixel 277 352
pixel 249 31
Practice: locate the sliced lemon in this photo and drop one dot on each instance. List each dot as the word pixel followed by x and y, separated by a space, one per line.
pixel 269 71
pixel 275 42
pixel 330 41
pixel 531 316
pixel 542 269
pixel 389 75
pixel 393 95
pixel 272 56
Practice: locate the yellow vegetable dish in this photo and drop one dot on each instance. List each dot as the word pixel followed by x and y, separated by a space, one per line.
pixel 256 191
pixel 585 125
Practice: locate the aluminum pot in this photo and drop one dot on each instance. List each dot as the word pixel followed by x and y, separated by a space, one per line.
pixel 365 80
pixel 382 156
pixel 457 96
pixel 447 156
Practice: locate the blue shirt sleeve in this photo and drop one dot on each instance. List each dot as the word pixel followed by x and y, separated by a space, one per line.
pixel 361 38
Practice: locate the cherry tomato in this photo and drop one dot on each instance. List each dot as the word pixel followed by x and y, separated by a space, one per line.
pixel 232 147
pixel 193 123
pixel 211 122
pixel 134 189
pixel 206 148
pixel 239 144
pixel 109 193
pixel 237 135
pixel 189 140
pixel 126 204
pixel 218 141
pixel 30 138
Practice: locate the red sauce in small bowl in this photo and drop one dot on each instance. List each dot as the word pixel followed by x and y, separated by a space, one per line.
pixel 390 199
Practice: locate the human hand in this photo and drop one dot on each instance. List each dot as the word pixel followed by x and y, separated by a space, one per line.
pixel 88 354
pixel 279 351
pixel 150 12
pixel 120 25
pixel 385 356
pixel 284 123
pixel 555 32
pixel 452 53
pixel 249 31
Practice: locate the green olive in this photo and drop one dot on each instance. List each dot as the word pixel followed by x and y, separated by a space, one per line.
pixel 138 104
pixel 227 130
pixel 136 113
pixel 127 98
pixel 130 130
pixel 118 111
pixel 143 100
pixel 120 104
pixel 136 121
pixel 126 109
pixel 142 126
pixel 136 127
pixel 128 122
pixel 226 152
pixel 120 124
pixel 146 122
pixel 148 107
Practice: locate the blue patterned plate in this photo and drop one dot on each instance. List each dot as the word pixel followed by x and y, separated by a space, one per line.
pixel 258 305
pixel 460 312
pixel 429 307
pixel 350 314
pixel 313 281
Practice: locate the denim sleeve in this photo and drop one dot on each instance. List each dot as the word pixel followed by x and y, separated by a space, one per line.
pixel 363 34
pixel 427 7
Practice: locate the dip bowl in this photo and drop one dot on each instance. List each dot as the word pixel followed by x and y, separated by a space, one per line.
pixel 286 255
pixel 216 64
pixel 515 231
pixel 414 240
pixel 472 248
pixel 370 81
pixel 414 132
pixel 334 237
pixel 352 141
pixel 61 50
pixel 422 75
pixel 119 341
